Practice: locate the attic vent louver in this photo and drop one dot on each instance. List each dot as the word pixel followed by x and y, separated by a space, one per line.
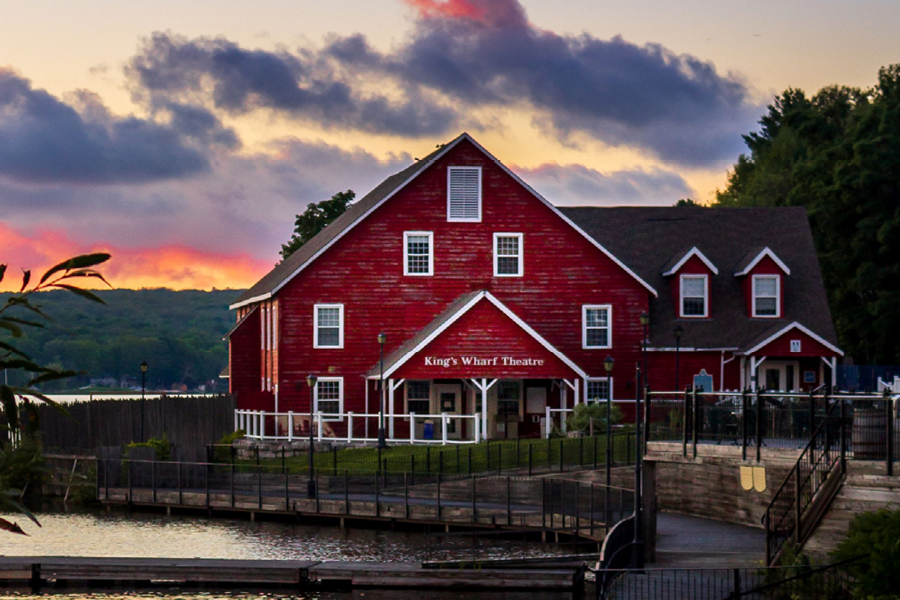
pixel 464 194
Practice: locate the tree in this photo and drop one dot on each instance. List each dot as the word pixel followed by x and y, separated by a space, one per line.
pixel 838 154
pixel 20 462
pixel 315 218
pixel 687 202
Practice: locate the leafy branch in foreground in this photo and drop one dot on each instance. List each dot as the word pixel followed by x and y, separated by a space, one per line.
pixel 19 312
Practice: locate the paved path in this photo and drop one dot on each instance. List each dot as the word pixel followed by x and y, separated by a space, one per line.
pixel 684 541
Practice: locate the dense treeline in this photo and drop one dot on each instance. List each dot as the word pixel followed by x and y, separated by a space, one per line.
pixel 179 334
pixel 838 154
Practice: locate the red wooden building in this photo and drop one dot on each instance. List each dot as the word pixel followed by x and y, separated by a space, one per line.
pixel 497 303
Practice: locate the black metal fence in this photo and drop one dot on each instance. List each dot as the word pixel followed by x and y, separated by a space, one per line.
pixel 757 419
pixel 829 582
pixel 536 503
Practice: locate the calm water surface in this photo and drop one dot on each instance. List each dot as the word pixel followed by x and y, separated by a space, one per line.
pixel 150 535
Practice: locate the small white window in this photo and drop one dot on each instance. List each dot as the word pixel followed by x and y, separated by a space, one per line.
pixel 329 326
pixel 464 194
pixel 596 326
pixel 418 253
pixel 418 397
pixel 329 394
pixel 766 296
pixel 694 296
pixel 508 255
pixel 598 389
pixel 796 346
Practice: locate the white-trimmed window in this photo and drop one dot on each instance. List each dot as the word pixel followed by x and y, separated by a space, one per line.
pixel 597 390
pixel 418 397
pixel 508 255
pixel 694 296
pixel 464 194
pixel 509 396
pixel 329 395
pixel 596 326
pixel 766 296
pixel 418 253
pixel 328 326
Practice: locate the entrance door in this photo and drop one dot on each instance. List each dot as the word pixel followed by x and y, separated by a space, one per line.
pixel 535 403
pixel 780 376
pixel 449 400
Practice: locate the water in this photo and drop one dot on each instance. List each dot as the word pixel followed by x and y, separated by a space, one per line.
pixel 150 535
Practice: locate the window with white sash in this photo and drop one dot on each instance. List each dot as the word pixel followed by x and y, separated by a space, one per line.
pixel 598 389
pixel 508 255
pixel 329 398
pixel 464 194
pixel 766 296
pixel 694 296
pixel 596 326
pixel 418 253
pixel 328 326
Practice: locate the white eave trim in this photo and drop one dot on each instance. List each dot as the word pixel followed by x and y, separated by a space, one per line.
pixel 692 252
pixel 683 349
pixel 799 327
pixel 463 310
pixel 765 252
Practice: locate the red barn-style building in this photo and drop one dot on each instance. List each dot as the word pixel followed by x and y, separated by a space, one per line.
pixel 494 302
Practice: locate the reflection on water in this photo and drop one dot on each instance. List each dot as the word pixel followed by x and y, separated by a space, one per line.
pixel 151 536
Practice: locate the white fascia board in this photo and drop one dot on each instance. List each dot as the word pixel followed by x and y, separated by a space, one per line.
pixel 683 349
pixel 692 252
pixel 252 300
pixel 556 211
pixel 434 334
pixel 765 252
pixel 799 327
pixel 527 328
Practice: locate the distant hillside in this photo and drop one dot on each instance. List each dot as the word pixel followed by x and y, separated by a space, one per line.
pixel 179 334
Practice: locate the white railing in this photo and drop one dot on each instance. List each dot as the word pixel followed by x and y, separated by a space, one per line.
pixel 290 426
pixel 548 419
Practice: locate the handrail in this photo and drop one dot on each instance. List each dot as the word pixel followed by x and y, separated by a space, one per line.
pixel 779 525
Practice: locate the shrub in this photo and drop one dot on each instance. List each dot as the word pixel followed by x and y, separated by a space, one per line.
pixel 161 446
pixel 580 419
pixel 222 451
pixel 874 536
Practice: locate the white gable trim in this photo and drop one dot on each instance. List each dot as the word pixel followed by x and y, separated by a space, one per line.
pixel 799 327
pixel 692 252
pixel 556 211
pixel 765 252
pixel 463 310
pixel 438 156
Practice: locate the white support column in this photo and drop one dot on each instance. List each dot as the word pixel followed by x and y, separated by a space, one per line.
pixel 366 420
pixel 262 425
pixel 319 426
pixel 444 428
pixel 833 372
pixel 547 422
pixel 564 402
pixel 412 428
pixel 484 409
pixel 349 427
pixel 290 426
pixel 477 427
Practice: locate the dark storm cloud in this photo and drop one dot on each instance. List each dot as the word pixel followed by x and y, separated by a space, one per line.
pixel 43 139
pixel 463 55
pixel 309 85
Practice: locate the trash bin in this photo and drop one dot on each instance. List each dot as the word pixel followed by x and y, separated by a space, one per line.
pixel 428 430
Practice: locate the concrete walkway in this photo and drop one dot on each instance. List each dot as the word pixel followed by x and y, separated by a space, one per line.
pixel 685 541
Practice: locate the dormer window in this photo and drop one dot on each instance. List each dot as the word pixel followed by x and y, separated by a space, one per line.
pixel 694 296
pixel 464 194
pixel 766 296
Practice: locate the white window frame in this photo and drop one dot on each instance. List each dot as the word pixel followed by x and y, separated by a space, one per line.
pixel 584 327
pixel 450 171
pixel 520 257
pixel 681 280
pixel 612 394
pixel 340 308
pixel 340 399
pixel 430 236
pixel 777 279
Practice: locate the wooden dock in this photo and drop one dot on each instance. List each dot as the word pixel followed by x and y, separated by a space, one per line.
pixel 99 572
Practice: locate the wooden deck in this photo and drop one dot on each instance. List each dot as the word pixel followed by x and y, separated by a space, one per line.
pixel 60 572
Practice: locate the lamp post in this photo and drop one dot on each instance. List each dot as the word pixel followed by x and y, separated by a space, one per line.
pixel 679 331
pixel 645 322
pixel 143 388
pixel 608 365
pixel 382 442
pixel 311 484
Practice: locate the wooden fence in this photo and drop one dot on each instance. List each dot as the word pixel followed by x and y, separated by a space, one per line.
pixel 185 420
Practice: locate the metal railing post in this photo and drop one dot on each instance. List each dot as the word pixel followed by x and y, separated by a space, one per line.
pixel 686 420
pixel 347 492
pixel 812 414
pixel 530 458
pixel 439 496
pixel 889 413
pixel 843 435
pixel 695 429
pixel 798 507
pixel 745 406
pixel 508 502
pixel 180 496
pixel 759 418
pixel 153 479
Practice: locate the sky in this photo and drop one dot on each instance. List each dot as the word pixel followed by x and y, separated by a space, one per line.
pixel 184 137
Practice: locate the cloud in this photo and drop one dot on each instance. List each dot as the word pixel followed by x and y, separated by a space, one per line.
pixel 576 185
pixel 465 56
pixel 43 139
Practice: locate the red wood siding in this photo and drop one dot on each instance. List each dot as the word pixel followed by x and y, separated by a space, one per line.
pixel 484 332
pixel 364 271
pixel 243 357
pixel 781 347
pixel 662 369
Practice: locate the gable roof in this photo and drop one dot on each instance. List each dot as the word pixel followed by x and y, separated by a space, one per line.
pixel 448 317
pixel 676 263
pixel 240 322
pixel 753 257
pixel 647 238
pixel 779 330
pixel 286 270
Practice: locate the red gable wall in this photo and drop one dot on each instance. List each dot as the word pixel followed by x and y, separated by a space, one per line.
pixel 781 346
pixel 484 332
pixel 364 271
